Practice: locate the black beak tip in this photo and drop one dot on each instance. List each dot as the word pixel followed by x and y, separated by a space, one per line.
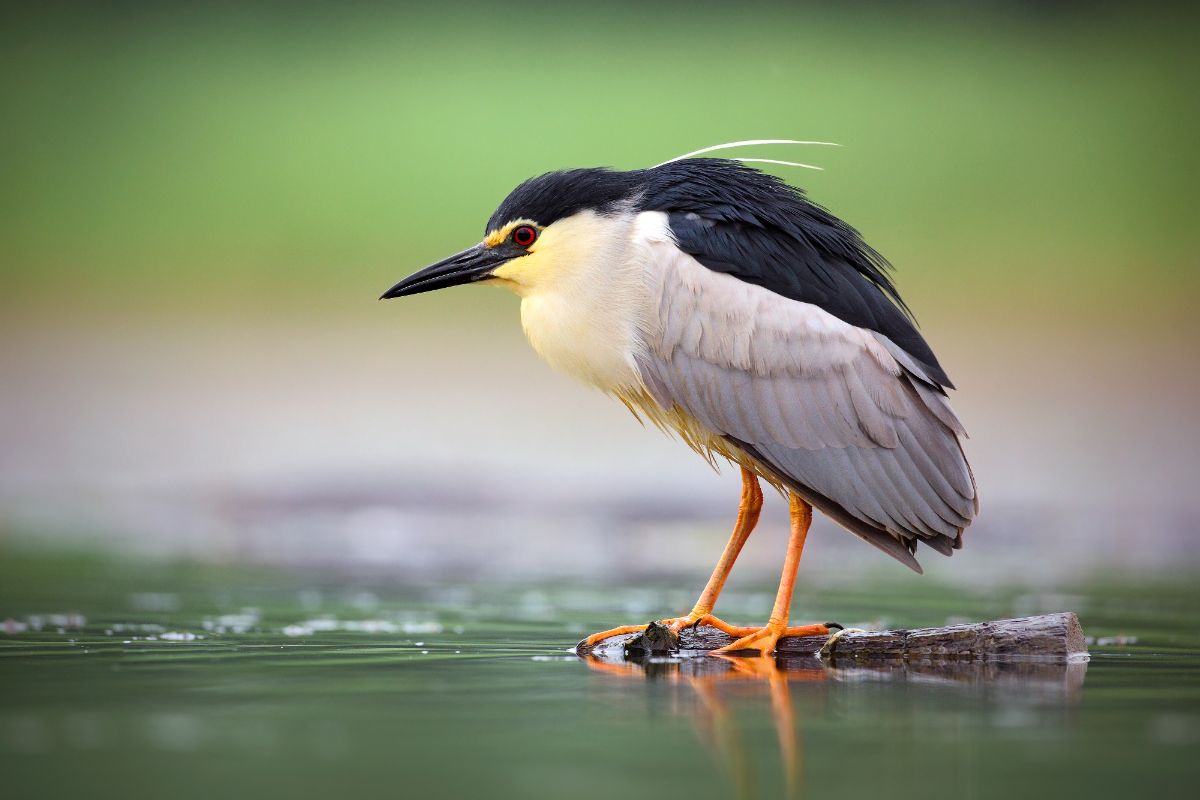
pixel 394 292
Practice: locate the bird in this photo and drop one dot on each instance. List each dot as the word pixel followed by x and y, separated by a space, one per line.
pixel 720 304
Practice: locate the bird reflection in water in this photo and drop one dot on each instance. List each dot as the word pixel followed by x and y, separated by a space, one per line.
pixel 714 718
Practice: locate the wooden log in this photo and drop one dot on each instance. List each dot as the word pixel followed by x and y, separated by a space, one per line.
pixel 1024 681
pixel 1054 638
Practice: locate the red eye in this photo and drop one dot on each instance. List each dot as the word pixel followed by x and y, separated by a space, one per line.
pixel 524 235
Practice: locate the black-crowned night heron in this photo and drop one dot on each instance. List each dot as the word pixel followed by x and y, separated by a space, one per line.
pixel 719 303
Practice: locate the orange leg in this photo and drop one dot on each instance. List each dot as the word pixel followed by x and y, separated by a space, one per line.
pixel 764 639
pixel 748 512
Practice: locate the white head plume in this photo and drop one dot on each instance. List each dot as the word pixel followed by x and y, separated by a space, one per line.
pixel 750 143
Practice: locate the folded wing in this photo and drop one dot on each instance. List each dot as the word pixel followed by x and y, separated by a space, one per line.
pixel 841 414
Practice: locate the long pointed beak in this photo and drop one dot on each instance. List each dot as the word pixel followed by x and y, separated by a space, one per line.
pixel 474 264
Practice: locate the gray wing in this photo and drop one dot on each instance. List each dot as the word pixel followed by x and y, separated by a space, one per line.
pixel 845 416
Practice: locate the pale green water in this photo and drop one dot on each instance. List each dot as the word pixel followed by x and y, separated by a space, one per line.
pixel 312 686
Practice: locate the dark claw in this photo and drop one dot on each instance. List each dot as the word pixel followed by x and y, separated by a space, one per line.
pixel 832 625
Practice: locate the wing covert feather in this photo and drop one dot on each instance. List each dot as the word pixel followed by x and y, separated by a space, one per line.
pixel 836 409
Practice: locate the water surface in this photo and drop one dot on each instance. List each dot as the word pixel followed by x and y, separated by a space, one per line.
pixel 125 680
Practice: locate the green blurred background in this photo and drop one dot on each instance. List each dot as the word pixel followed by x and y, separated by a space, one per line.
pixel 259 530
pixel 201 203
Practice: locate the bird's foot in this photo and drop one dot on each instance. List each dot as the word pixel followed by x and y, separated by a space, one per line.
pixel 764 639
pixel 676 624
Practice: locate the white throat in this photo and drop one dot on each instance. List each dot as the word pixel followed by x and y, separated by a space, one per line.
pixel 586 309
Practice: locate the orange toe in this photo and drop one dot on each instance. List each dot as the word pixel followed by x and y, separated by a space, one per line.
pixel 807 630
pixel 761 640
pixel 764 639
pixel 596 638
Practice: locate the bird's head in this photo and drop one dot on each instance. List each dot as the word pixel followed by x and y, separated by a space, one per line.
pixel 544 228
